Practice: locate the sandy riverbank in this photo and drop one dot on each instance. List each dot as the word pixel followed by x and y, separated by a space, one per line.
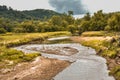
pixel 39 69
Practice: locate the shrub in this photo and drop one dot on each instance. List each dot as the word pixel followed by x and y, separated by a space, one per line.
pixel 2 30
pixel 116 72
pixel 16 56
pixel 31 56
pixel 109 53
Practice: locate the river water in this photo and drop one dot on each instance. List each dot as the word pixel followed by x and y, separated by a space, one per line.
pixel 86 65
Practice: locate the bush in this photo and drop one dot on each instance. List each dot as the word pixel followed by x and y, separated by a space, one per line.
pixel 31 56
pixel 116 72
pixel 72 29
pixel 2 30
pixel 109 53
pixel 15 55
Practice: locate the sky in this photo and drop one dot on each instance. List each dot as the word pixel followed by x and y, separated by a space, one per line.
pixel 61 5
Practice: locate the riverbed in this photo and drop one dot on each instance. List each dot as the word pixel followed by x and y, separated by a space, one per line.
pixel 86 65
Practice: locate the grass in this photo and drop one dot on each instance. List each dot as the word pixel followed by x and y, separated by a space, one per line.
pixel 94 33
pixel 106 48
pixel 12 39
pixel 99 33
pixel 116 72
pixel 10 57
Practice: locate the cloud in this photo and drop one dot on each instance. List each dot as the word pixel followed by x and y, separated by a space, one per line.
pixel 68 5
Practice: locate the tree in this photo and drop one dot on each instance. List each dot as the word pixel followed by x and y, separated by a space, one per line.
pixel 28 26
pixel 87 17
pixel 98 21
pixel 64 23
pixel 98 16
pixel 3 8
pixel 113 23
pixel 69 19
pixel 84 26
pixel 2 30
pixel 10 9
pixel 56 20
pixel 72 29
pixel 70 13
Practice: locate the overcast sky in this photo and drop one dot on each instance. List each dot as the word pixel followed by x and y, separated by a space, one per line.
pixel 91 5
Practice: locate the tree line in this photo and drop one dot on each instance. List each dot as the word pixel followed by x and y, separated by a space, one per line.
pixel 55 23
pixel 36 14
pixel 99 21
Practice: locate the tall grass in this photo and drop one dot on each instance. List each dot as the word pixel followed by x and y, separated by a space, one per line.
pixel 22 38
pixel 99 33
pixel 10 57
pixel 94 33
pixel 108 49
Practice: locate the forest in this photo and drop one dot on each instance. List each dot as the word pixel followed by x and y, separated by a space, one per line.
pixel 36 14
pixel 49 21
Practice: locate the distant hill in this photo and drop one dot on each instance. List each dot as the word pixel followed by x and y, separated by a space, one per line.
pixel 40 13
pixel 28 14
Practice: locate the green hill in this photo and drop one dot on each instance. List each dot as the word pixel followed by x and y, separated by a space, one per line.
pixel 28 14
pixel 40 13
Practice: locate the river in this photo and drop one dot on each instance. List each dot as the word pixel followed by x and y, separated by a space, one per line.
pixel 86 65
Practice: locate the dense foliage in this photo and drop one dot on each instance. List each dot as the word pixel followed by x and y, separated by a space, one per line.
pixel 38 14
pixel 100 22
pixel 37 21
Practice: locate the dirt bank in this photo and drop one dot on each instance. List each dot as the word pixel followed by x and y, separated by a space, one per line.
pixel 39 69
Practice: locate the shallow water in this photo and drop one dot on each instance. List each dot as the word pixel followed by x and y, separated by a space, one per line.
pixel 59 38
pixel 84 70
pixel 86 64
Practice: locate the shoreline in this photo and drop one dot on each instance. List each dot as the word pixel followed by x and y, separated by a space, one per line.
pixel 111 63
pixel 39 69
pixel 34 70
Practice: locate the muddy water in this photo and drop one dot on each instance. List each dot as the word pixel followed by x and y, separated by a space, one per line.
pixel 86 64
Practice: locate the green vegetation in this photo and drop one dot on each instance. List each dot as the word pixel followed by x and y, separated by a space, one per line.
pixel 103 25
pixel 40 20
pixel 30 25
pixel 15 39
pixel 108 48
pixel 98 22
pixel 100 33
pixel 94 33
pixel 37 14
pixel 116 72
pixel 10 57
pixel 2 30
pixel 21 27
